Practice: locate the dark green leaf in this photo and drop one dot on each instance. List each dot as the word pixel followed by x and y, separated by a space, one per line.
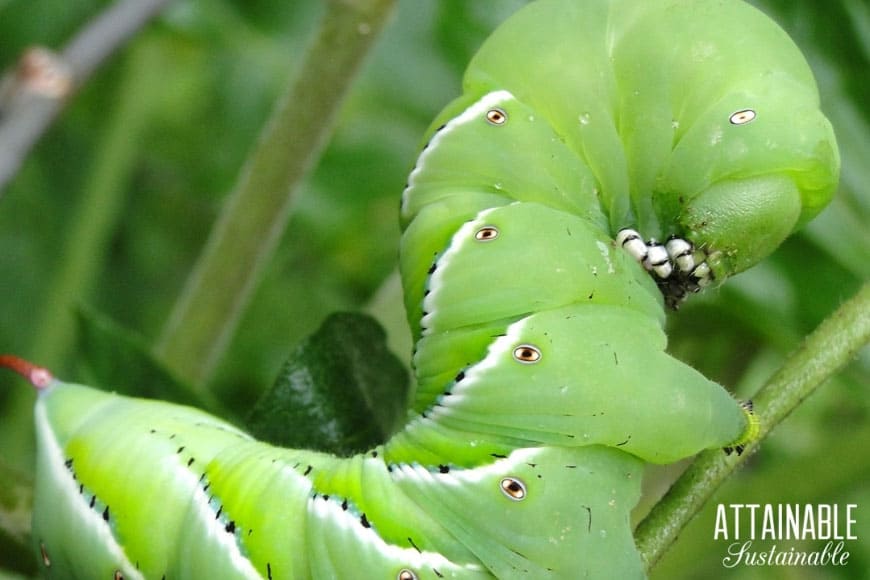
pixel 340 391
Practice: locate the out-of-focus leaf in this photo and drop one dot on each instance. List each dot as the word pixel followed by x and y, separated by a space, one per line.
pixel 16 500
pixel 117 359
pixel 340 391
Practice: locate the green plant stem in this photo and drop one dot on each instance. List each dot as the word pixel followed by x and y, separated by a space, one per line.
pixel 101 205
pixel 834 343
pixel 83 253
pixel 254 217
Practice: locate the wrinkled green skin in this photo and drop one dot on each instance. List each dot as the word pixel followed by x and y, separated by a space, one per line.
pixel 617 114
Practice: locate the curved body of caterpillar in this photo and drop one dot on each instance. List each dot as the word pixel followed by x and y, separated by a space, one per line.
pixel 542 378
pixel 204 501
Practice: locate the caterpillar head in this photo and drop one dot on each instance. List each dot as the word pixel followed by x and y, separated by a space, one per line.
pixel 750 162
pixel 770 170
pixel 702 123
pixel 765 173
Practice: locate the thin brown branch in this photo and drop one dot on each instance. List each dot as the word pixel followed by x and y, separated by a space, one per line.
pixel 34 93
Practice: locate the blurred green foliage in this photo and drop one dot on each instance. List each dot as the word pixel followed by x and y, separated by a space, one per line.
pixel 212 72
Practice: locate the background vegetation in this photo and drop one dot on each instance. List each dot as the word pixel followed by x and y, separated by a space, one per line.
pixel 137 167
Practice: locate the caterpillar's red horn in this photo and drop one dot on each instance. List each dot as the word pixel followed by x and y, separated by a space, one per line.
pixel 37 376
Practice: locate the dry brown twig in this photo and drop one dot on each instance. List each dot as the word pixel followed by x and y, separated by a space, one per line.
pixel 35 91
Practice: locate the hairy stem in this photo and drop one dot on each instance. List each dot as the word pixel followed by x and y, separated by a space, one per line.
pixel 833 344
pixel 255 215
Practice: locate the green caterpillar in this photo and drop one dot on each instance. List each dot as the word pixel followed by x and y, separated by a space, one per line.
pixel 542 382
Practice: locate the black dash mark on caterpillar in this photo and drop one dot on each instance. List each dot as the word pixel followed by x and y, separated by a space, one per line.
pixel 413 545
pixel 589 521
pixel 269 570
pixel 230 527
pixel 364 521
pixel 624 442
pixel 444 469
pixel 308 470
pixel 106 514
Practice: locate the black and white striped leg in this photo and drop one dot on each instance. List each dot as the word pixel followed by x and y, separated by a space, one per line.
pixel 678 268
